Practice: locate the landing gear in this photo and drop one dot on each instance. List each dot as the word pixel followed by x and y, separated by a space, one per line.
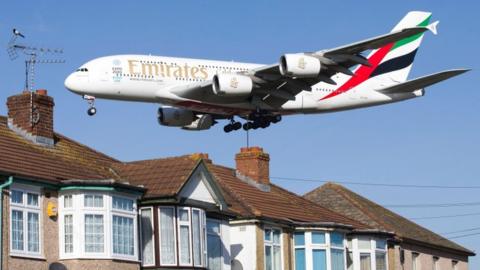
pixel 262 122
pixel 232 126
pixel 91 103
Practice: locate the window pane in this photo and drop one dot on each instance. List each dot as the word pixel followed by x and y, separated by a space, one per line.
pixel 17 197
pixel 94 233
pixel 68 233
pixel 380 261
pixel 214 252
pixel 197 246
pixel 299 238
pixel 122 233
pixel 183 213
pixel 17 230
pixel 338 262
pixel 147 236
pixel 350 261
pixel 364 243
pixel 122 204
pixel 213 227
pixel 33 229
pixel 277 258
pixel 268 235
pixel 318 238
pixel 268 258
pixel 336 239
pixel 299 259
pixel 167 235
pixel 381 243
pixel 93 201
pixel 67 201
pixel 276 236
pixel 319 259
pixel 365 261
pixel 184 244
pixel 32 199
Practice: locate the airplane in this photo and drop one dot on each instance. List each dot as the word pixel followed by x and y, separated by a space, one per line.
pixel 195 93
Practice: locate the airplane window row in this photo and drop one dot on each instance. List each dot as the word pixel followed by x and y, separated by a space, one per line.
pixel 204 66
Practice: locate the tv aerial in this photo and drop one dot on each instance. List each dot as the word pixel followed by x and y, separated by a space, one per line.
pixel 33 55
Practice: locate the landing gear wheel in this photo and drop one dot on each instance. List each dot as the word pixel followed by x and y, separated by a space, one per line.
pixel 237 125
pixel 265 124
pixel 91 111
pixel 228 128
pixel 276 119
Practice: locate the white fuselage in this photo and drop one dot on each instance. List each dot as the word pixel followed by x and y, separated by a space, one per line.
pixel 147 78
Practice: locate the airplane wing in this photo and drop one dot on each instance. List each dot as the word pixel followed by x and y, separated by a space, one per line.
pixel 422 82
pixel 272 89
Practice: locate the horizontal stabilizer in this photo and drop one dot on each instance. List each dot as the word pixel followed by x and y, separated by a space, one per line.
pixel 422 82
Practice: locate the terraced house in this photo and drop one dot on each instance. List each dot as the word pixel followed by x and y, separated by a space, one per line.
pixel 67 206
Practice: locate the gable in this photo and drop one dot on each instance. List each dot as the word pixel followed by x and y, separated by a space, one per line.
pixel 200 186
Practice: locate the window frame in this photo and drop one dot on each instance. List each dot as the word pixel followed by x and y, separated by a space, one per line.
pixel 78 210
pixel 272 244
pixel 25 209
pixel 152 220
pixel 219 235
pixel 176 242
pixel 190 242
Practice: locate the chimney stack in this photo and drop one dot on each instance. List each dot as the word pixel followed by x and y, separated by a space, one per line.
pixel 30 114
pixel 253 163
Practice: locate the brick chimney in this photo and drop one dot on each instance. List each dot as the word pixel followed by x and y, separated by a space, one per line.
pixel 30 114
pixel 253 163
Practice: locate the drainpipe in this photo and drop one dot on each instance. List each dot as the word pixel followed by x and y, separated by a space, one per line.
pixel 2 186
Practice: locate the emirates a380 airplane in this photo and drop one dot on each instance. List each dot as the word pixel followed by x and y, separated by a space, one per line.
pixel 196 93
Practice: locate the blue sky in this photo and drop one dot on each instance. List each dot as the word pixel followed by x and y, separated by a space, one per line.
pixel 432 140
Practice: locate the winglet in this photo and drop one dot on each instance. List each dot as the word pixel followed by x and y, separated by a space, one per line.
pixel 433 27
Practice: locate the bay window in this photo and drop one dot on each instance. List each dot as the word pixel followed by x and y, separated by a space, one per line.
pixel 97 225
pixel 180 230
pixel 25 222
pixel 319 250
pixel 273 248
pixel 367 253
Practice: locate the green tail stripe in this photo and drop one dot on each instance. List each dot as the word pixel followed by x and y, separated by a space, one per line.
pixel 411 38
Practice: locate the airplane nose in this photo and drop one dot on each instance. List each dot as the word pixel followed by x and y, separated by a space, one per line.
pixel 71 84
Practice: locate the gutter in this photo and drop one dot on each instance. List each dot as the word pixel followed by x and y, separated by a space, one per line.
pixel 2 186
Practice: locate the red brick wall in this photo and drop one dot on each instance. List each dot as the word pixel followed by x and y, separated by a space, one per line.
pixel 254 163
pixel 20 112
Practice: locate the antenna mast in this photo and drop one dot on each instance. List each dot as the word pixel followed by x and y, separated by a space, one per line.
pixel 32 54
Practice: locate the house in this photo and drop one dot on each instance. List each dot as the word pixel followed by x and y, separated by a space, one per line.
pixel 412 247
pixel 67 206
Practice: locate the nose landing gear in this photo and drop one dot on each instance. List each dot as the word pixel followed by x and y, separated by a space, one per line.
pixel 91 103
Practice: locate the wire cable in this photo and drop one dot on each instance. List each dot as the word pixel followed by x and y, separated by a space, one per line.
pixel 446 216
pixel 464 235
pixel 464 230
pixel 428 205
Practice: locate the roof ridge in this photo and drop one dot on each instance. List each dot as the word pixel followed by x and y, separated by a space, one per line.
pixel 135 162
pixel 86 146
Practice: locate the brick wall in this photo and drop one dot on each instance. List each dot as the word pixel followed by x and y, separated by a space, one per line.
pixel 254 163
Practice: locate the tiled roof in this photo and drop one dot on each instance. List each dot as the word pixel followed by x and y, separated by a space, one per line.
pixel 278 203
pixel 66 160
pixel 161 177
pixel 351 204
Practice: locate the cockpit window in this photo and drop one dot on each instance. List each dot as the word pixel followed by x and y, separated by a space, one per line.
pixel 82 70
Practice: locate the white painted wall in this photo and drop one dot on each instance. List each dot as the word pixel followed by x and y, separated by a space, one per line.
pixel 195 189
pixel 243 246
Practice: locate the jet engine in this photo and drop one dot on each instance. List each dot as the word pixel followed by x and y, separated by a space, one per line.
pixel 203 122
pixel 232 85
pixel 175 117
pixel 300 66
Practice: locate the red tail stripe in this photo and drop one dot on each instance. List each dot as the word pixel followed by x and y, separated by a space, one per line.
pixel 363 73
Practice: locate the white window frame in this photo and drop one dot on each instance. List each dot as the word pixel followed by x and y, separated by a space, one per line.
pixel 309 247
pixel 153 235
pixel 304 247
pixel 272 245
pixel 128 214
pixel 201 231
pixel 176 242
pixel 189 224
pixel 79 210
pixel 331 246
pixel 25 209
pixel 415 264
pixel 356 250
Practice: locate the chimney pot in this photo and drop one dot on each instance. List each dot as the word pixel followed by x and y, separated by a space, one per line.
pixel 254 163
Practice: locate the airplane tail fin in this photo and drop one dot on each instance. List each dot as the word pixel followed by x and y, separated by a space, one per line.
pixel 398 56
